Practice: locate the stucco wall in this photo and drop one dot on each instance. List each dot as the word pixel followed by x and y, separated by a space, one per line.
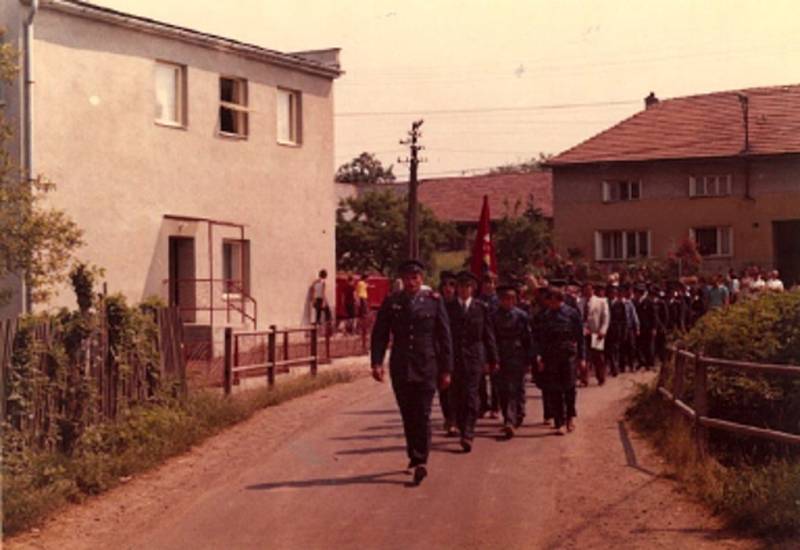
pixel 118 173
pixel 666 209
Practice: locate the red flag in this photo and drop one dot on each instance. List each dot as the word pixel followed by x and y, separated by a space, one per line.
pixel 483 257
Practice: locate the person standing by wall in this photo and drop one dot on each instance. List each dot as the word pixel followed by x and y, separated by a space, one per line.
pixel 319 298
pixel 415 321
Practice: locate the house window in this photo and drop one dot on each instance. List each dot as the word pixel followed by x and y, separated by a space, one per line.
pixel 289 119
pixel 710 186
pixel 170 88
pixel 236 266
pixel 622 245
pixel 622 190
pixel 233 106
pixel 713 241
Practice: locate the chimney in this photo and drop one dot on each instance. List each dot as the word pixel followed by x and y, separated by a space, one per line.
pixel 650 100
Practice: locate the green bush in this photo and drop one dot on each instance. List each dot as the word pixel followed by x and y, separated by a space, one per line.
pixel 765 330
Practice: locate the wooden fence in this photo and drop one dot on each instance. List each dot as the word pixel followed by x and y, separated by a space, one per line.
pixel 86 385
pixel 698 414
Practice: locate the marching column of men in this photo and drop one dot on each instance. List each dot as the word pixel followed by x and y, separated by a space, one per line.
pixel 454 339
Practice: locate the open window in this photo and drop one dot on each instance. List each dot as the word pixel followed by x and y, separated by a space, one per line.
pixel 233 112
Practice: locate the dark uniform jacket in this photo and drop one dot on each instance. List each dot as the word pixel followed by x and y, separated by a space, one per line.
pixel 618 323
pixel 420 332
pixel 474 343
pixel 512 329
pixel 560 336
pixel 646 311
pixel 662 314
pixel 678 313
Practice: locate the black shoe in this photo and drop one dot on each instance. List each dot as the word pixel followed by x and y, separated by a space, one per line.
pixel 508 429
pixel 466 444
pixel 420 473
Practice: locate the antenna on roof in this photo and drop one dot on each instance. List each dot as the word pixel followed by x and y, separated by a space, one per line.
pixel 745 103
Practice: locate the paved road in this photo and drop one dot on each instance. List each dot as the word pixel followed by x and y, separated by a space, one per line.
pixel 338 481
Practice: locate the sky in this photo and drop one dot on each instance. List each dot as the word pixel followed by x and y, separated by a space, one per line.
pixel 499 81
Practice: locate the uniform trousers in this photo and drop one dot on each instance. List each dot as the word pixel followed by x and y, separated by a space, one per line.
pixel 466 403
pixel 628 351
pixel 415 400
pixel 646 346
pixel 661 346
pixel 446 405
pixel 489 400
pixel 560 379
pixel 511 382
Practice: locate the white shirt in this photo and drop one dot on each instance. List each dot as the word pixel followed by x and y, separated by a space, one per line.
pixel 775 284
pixel 465 303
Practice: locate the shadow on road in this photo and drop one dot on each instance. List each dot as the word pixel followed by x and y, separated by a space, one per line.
pixel 371 412
pixel 379 478
pixel 630 455
pixel 435 447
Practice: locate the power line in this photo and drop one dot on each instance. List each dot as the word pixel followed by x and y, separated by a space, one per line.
pixel 554 106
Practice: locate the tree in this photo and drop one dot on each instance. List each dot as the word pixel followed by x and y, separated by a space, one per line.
pixel 371 232
pixel 365 168
pixel 522 241
pixel 534 164
pixel 36 242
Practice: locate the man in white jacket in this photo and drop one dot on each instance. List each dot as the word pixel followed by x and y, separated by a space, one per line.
pixel 593 307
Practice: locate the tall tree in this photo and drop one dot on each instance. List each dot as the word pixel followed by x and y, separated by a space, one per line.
pixel 371 232
pixel 521 241
pixel 365 168
pixel 36 242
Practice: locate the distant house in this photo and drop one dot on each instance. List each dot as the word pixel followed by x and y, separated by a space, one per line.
pixel 200 168
pixel 722 169
pixel 459 199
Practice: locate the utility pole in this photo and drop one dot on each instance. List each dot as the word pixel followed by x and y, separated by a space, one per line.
pixel 412 222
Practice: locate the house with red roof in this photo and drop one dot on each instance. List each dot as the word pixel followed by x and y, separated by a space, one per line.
pixel 722 169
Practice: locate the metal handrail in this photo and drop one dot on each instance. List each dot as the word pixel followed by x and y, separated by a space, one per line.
pixel 230 301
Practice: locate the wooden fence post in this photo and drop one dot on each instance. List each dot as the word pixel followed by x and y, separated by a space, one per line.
pixel 228 375
pixel 314 348
pixel 272 354
pixel 677 383
pixel 364 334
pixel 286 346
pixel 328 332
pixel 700 403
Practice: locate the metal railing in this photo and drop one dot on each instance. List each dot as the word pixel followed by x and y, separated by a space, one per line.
pixel 698 414
pixel 212 295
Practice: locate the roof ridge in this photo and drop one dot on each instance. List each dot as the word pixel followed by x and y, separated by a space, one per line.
pixel 730 92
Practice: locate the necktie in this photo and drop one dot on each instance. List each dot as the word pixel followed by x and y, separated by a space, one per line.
pixel 586 310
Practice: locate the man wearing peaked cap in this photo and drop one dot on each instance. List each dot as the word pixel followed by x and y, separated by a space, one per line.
pixel 474 351
pixel 415 321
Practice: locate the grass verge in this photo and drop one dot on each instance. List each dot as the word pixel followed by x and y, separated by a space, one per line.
pixel 36 483
pixel 762 500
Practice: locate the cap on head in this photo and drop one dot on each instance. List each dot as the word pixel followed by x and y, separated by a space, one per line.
pixel 411 266
pixel 507 289
pixel 447 275
pixel 466 277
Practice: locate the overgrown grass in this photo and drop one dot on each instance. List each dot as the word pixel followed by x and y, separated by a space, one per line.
pixel 763 500
pixel 36 483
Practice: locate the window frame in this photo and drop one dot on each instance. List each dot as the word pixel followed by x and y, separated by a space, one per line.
pixel 241 110
pixel 723 186
pixel 721 231
pixel 240 256
pixel 612 190
pixel 624 235
pixel 181 98
pixel 295 117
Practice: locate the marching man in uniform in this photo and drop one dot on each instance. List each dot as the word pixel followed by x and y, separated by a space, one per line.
pixel 416 321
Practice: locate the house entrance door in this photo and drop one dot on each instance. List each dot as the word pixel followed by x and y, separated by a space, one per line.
pixel 786 248
pixel 182 283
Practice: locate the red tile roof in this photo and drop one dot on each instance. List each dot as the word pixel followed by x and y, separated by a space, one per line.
pixel 460 199
pixel 709 125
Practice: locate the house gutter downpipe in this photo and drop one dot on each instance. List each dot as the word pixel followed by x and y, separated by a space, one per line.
pixel 27 100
